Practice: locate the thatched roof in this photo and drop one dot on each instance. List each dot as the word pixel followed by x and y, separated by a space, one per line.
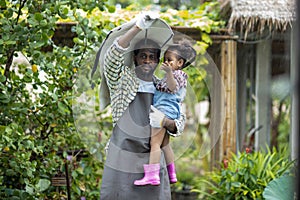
pixel 256 15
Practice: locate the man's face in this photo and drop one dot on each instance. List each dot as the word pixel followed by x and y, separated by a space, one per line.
pixel 146 62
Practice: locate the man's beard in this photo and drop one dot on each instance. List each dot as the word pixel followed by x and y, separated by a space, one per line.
pixel 145 71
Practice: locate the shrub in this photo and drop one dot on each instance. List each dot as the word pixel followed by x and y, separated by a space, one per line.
pixel 245 175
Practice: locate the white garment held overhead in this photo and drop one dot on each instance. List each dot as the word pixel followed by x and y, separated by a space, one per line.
pixel 163 38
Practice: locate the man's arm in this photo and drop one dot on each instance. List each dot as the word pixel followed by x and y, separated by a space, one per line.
pixel 175 127
pixel 169 124
pixel 125 39
pixel 114 59
pixel 158 120
pixel 143 21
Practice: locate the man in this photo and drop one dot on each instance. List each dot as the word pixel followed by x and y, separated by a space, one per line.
pixel 131 92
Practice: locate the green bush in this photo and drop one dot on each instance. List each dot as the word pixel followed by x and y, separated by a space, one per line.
pixel 36 115
pixel 246 175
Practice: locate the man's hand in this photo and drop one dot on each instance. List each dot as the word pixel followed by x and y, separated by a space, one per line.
pixel 156 118
pixel 146 19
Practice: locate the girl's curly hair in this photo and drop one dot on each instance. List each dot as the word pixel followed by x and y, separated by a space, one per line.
pixel 185 51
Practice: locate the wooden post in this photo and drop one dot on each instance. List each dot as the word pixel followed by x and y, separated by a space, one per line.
pixel 295 104
pixel 68 181
pixel 228 73
pixel 217 105
pixel 262 90
pixel 242 73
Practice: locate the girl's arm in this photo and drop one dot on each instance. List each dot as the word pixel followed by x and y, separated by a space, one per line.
pixel 170 80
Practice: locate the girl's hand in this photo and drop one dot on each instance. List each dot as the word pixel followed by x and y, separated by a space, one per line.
pixel 166 67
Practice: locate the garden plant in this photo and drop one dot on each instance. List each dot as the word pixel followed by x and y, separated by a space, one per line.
pixel 247 174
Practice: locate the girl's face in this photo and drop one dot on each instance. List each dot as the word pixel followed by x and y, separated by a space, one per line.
pixel 172 59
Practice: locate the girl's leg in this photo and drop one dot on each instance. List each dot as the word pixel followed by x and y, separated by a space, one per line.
pixel 157 137
pixel 151 170
pixel 169 156
pixel 168 151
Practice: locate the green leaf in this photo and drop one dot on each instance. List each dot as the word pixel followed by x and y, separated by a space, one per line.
pixel 206 38
pixel 8 13
pixel 236 184
pixel 27 78
pixel 2 4
pixel 38 16
pixel 62 108
pixel 65 11
pixel 43 22
pixel 4 98
pixel 43 184
pixel 10 42
pixel 10 172
pixel 29 189
pixel 54 96
pixel 280 189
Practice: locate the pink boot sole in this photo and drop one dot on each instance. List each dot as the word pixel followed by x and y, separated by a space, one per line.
pixel 146 182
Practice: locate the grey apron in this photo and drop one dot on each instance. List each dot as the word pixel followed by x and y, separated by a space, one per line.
pixel 128 150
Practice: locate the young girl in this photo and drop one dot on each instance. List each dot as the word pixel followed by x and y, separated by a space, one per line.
pixel 168 97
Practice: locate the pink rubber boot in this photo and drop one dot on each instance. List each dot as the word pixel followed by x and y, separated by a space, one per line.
pixel 172 172
pixel 151 176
